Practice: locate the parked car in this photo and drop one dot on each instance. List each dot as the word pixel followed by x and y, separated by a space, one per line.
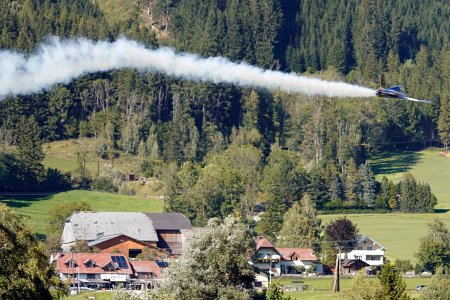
pixel 420 287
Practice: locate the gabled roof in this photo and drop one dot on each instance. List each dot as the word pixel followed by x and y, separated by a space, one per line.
pixel 169 221
pixel 347 263
pixel 263 243
pixel 90 226
pixel 101 260
pixel 367 238
pixel 104 239
pixel 306 254
pixel 146 267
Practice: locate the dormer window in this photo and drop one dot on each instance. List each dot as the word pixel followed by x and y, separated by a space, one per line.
pixel 70 263
pixel 110 267
pixel 90 263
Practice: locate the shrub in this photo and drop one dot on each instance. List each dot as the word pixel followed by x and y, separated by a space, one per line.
pixel 104 184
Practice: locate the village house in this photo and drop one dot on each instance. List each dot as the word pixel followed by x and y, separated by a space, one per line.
pixel 294 259
pixel 171 229
pixel 367 250
pixel 147 274
pixel 276 261
pixel 93 270
pixel 106 270
pixel 126 232
pixel 267 258
pixel 352 266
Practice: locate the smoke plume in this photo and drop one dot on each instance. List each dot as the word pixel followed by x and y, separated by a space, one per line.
pixel 61 61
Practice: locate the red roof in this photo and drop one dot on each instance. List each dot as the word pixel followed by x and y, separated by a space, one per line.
pixel 263 243
pixel 81 260
pixel 146 267
pixel 301 253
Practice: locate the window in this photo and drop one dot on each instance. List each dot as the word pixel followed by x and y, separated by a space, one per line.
pixel 90 276
pixel 373 258
pixel 134 252
pixel 369 248
pixel 90 264
pixel 358 257
pixel 273 265
pixel 258 284
pixel 359 248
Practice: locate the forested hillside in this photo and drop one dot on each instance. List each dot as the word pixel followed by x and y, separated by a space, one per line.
pixel 219 148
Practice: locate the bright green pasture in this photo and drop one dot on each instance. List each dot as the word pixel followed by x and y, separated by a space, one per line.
pixel 426 166
pixel 399 232
pixel 100 295
pixel 320 288
pixel 34 209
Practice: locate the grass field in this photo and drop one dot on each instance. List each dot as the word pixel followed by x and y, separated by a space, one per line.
pixel 62 155
pixel 400 233
pixel 34 208
pixel 121 11
pixel 318 288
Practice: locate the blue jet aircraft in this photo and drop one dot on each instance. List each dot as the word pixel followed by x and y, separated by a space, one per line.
pixel 395 92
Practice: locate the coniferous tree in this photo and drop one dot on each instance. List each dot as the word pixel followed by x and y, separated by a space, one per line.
pixel 408 188
pixel 368 184
pixel 393 286
pixel 29 145
pixel 301 226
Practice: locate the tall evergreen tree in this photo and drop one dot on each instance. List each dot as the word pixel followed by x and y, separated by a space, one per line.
pixel 301 226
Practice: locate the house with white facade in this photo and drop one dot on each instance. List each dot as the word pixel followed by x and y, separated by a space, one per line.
pixel 277 261
pixel 368 250
pixel 267 258
pixel 293 258
pixel 93 269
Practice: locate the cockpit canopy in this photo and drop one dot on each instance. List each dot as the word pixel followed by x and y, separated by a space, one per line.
pixel 398 88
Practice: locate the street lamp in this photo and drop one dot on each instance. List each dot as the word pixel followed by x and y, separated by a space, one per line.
pixel 270 269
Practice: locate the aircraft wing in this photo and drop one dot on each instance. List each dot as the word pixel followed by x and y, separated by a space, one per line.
pixel 418 100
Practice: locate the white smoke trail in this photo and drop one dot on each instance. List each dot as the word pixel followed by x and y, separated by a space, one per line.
pixel 61 61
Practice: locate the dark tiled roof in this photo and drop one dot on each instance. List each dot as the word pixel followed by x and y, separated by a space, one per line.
pixel 347 263
pixel 169 221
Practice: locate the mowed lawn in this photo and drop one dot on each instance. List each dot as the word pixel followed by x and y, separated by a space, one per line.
pixel 34 209
pixel 400 233
pixel 318 288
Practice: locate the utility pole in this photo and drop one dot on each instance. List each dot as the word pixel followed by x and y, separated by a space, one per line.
pixel 73 270
pixel 78 267
pixel 337 271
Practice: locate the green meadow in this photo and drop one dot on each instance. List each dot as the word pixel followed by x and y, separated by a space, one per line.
pixel 400 232
pixel 318 288
pixel 34 209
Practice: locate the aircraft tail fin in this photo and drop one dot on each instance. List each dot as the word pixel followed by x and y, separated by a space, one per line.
pixel 382 82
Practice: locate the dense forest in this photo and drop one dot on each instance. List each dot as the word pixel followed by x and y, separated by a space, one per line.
pixel 219 148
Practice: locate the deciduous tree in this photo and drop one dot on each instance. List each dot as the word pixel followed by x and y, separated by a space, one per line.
pixel 214 264
pixel 434 249
pixel 25 272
